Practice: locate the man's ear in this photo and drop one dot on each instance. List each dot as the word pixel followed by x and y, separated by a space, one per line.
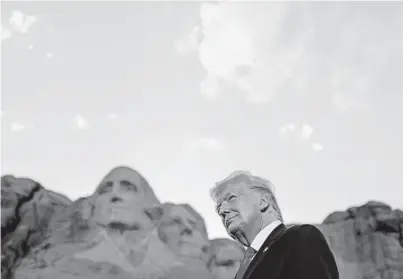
pixel 265 202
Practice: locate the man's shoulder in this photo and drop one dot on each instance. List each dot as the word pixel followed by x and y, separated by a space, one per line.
pixel 305 232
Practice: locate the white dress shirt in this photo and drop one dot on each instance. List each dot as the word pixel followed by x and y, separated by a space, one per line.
pixel 264 234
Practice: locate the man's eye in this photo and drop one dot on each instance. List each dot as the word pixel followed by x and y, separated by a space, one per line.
pixel 231 197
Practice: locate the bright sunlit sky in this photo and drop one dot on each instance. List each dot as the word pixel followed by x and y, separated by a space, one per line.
pixel 308 95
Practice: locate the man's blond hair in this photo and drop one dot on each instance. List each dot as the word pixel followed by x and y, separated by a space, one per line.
pixel 251 181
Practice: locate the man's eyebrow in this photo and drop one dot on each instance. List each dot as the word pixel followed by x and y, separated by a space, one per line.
pixel 230 193
pixel 218 204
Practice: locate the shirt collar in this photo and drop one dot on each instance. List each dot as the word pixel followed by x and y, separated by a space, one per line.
pixel 264 234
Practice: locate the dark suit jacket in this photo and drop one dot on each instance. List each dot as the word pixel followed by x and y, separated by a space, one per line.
pixel 298 252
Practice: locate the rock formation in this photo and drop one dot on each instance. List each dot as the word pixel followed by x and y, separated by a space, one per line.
pixel 123 231
pixel 227 255
pixel 26 208
pixel 367 241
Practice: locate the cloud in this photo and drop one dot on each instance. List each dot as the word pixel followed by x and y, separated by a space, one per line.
pixel 190 42
pixel 346 50
pixel 207 143
pixel 112 116
pixel 306 131
pixel 4 33
pixel 17 127
pixel 49 55
pixel 285 129
pixel 20 22
pixel 317 146
pixel 300 133
pixel 81 122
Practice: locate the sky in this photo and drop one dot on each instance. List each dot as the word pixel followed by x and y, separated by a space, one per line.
pixel 307 95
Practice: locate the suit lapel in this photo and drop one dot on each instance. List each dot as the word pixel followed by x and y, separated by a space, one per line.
pixel 264 249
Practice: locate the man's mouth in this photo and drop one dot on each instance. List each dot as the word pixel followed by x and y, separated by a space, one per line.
pixel 229 220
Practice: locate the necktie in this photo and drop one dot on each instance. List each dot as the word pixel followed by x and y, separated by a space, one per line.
pixel 249 253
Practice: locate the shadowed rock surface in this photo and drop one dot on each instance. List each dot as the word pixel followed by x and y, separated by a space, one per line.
pixel 123 231
pixel 367 241
pixel 26 208
pixel 226 257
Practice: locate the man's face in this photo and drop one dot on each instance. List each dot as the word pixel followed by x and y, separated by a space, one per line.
pixel 238 207
pixel 120 199
pixel 179 230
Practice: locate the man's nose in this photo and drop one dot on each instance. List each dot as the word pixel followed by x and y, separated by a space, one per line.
pixel 223 210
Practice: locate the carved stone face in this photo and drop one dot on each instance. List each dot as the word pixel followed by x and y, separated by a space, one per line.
pixel 227 257
pixel 121 200
pixel 184 233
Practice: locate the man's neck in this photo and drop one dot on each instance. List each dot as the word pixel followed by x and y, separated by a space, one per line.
pixel 259 228
pixel 264 234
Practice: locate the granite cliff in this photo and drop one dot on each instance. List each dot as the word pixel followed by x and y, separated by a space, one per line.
pixel 130 234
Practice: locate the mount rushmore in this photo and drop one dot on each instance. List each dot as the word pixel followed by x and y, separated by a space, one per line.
pixel 134 236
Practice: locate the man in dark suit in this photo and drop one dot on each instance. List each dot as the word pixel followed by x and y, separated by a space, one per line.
pixel 250 213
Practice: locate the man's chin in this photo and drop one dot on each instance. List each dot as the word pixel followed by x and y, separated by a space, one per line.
pixel 231 229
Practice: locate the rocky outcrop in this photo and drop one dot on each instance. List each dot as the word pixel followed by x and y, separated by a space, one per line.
pixel 367 241
pixel 226 257
pixel 26 208
pixel 123 231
